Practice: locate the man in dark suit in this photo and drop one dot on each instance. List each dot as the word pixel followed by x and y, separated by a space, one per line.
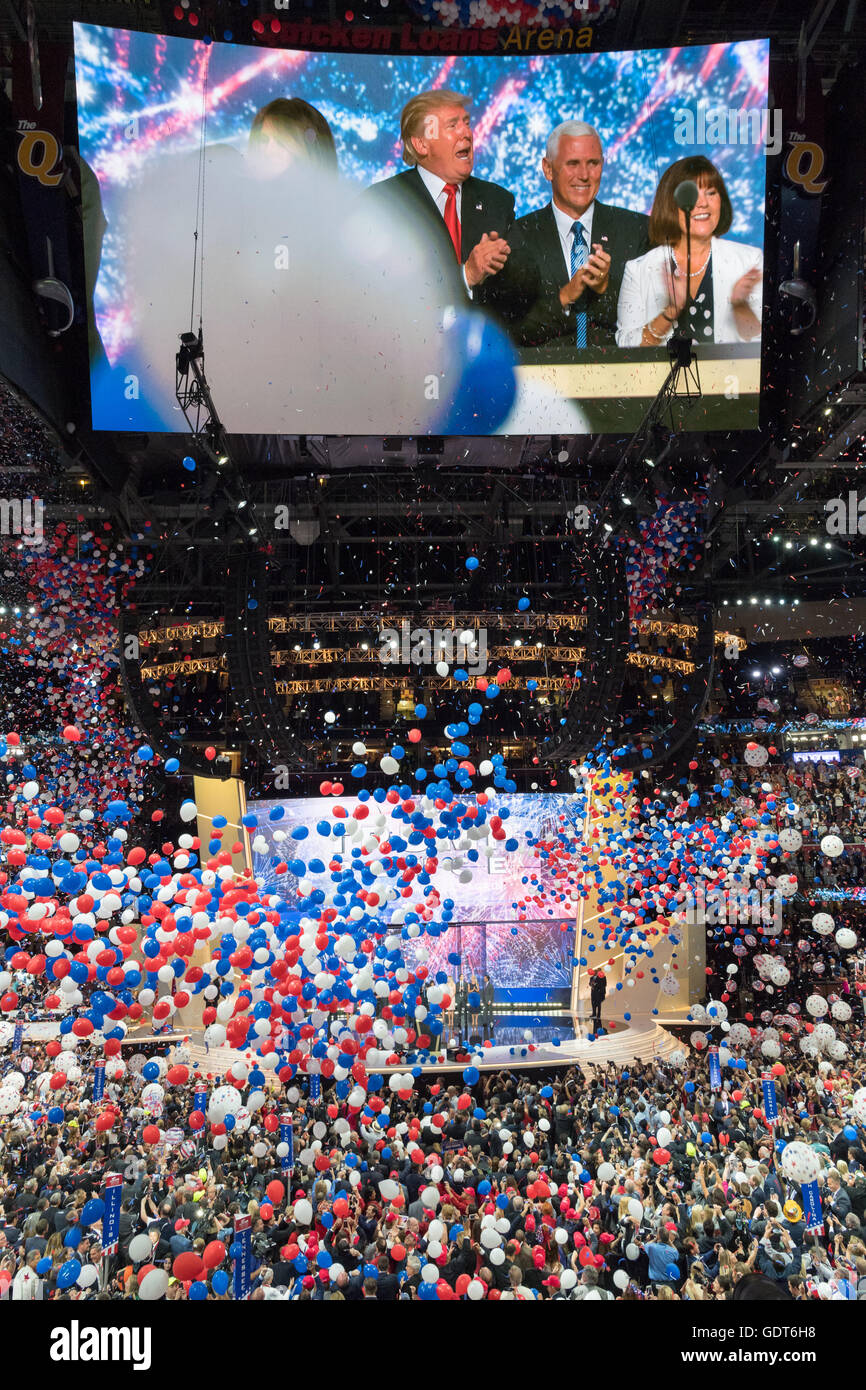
pixel 597 992
pixel 461 1007
pixel 487 995
pixel 562 280
pixel 467 220
pixel 724 1112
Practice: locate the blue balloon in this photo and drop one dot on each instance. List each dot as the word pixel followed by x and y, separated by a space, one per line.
pixel 92 1211
pixel 68 1273
pixel 220 1282
pixel 471 1075
pixel 673 1271
pixel 485 361
pixel 44 1265
pixel 198 1291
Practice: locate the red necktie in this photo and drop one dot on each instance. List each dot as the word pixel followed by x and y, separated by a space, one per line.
pixel 451 221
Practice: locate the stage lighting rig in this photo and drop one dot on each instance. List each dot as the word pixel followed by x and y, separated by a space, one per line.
pixel 195 400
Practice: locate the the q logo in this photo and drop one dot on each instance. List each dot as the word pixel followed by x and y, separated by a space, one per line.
pixel 43 142
pixel 806 178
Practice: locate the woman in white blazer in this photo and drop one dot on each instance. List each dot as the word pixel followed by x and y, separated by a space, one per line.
pixel 726 276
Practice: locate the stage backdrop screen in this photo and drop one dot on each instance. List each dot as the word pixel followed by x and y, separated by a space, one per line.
pixel 486 933
pixel 338 296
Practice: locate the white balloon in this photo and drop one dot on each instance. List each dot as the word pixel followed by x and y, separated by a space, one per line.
pixel 140 1249
pixel 800 1163
pixel 303 1212
pixel 153 1286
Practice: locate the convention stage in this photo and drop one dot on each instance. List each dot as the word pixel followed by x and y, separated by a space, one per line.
pixel 638 1041
pixel 557 1041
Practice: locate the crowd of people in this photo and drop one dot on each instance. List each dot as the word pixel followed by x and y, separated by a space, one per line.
pixel 508 1186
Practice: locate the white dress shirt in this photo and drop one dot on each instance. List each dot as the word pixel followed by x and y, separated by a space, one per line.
pixel 436 188
pixel 564 224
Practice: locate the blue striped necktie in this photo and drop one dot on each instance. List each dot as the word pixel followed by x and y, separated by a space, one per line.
pixel 578 258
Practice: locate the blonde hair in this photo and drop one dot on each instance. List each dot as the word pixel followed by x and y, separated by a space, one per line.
pixel 415 113
pixel 699 1216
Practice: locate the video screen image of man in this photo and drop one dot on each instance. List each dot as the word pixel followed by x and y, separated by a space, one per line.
pixel 469 219
pixel 562 280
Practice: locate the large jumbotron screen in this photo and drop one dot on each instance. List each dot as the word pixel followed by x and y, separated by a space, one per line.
pixel 534 954
pixel 330 309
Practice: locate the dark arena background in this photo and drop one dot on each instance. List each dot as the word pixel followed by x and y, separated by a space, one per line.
pixel 433 686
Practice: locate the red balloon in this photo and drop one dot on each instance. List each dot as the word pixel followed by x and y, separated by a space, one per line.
pixel 213 1254
pixel 150 1135
pixel 189 1265
pixel 276 1192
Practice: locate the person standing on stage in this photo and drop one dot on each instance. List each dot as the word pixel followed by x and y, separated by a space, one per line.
pixel 597 992
pixel 462 994
pixel 487 993
pixel 474 1003
pixel 451 991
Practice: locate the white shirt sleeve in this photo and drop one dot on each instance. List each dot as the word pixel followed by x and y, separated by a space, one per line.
pixel 635 309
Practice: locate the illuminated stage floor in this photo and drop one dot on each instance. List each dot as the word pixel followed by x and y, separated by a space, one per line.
pixel 554 1043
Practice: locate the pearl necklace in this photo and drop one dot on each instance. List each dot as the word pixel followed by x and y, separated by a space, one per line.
pixel 679 275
